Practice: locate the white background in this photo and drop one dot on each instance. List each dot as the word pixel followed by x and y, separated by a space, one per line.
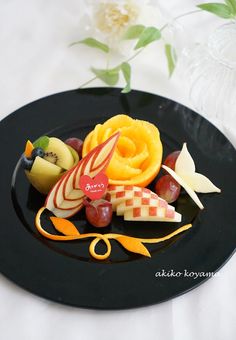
pixel 35 61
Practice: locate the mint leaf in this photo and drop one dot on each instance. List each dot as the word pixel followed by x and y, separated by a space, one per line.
pixel 91 42
pixel 133 32
pixel 109 76
pixel 41 142
pixel 171 58
pixel 232 5
pixel 148 35
pixel 221 10
pixel 126 70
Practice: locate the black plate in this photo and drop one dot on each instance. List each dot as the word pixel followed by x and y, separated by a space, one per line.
pixel 64 272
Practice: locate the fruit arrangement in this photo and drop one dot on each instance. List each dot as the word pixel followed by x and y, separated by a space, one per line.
pixel 109 173
pixel 46 160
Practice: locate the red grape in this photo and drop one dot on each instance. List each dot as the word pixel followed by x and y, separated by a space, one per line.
pixel 76 144
pixel 167 188
pixel 171 159
pixel 98 213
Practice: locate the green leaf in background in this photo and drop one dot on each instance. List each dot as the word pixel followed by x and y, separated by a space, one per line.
pixel 41 142
pixel 221 10
pixel 232 5
pixel 148 35
pixel 171 58
pixel 126 70
pixel 91 42
pixel 133 32
pixel 109 76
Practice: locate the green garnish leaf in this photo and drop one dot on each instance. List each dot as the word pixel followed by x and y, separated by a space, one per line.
pixel 41 142
pixel 148 35
pixel 232 5
pixel 91 42
pixel 108 76
pixel 171 58
pixel 133 32
pixel 221 10
pixel 126 70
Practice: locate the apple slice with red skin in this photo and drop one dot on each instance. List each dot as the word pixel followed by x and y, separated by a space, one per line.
pixel 136 202
pixel 60 199
pixel 68 182
pixel 95 166
pixel 49 204
pixel 51 198
pixel 67 195
pixel 115 188
pixel 151 214
pixel 66 198
pixel 120 196
pixel 72 179
pixel 141 204
pixel 71 183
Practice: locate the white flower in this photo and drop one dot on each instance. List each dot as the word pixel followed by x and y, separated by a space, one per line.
pixel 112 17
pixel 109 19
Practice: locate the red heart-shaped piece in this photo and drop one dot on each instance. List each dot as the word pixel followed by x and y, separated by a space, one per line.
pixel 95 187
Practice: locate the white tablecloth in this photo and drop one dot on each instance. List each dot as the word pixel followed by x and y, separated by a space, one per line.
pixel 35 61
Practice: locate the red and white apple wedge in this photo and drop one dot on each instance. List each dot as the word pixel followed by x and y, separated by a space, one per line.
pixel 152 214
pixel 120 193
pixel 66 198
pixel 112 189
pixel 122 196
pixel 141 204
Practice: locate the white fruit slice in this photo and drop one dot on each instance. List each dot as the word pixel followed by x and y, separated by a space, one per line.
pixel 185 168
pixel 43 175
pixel 190 180
pixel 150 214
pixel 188 189
pixel 45 168
pixel 63 156
pixel 184 162
pixel 200 183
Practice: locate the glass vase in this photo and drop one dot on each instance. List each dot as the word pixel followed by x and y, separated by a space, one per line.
pixel 210 75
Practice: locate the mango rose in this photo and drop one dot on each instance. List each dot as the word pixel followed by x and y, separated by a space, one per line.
pixel 138 154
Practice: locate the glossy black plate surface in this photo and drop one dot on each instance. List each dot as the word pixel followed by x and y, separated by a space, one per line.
pixel 64 272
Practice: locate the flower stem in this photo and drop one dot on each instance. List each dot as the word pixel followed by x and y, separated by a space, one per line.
pixel 134 55
pixel 179 17
pixel 88 82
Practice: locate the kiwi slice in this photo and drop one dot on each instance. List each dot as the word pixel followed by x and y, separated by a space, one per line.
pixel 51 157
pixel 58 153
